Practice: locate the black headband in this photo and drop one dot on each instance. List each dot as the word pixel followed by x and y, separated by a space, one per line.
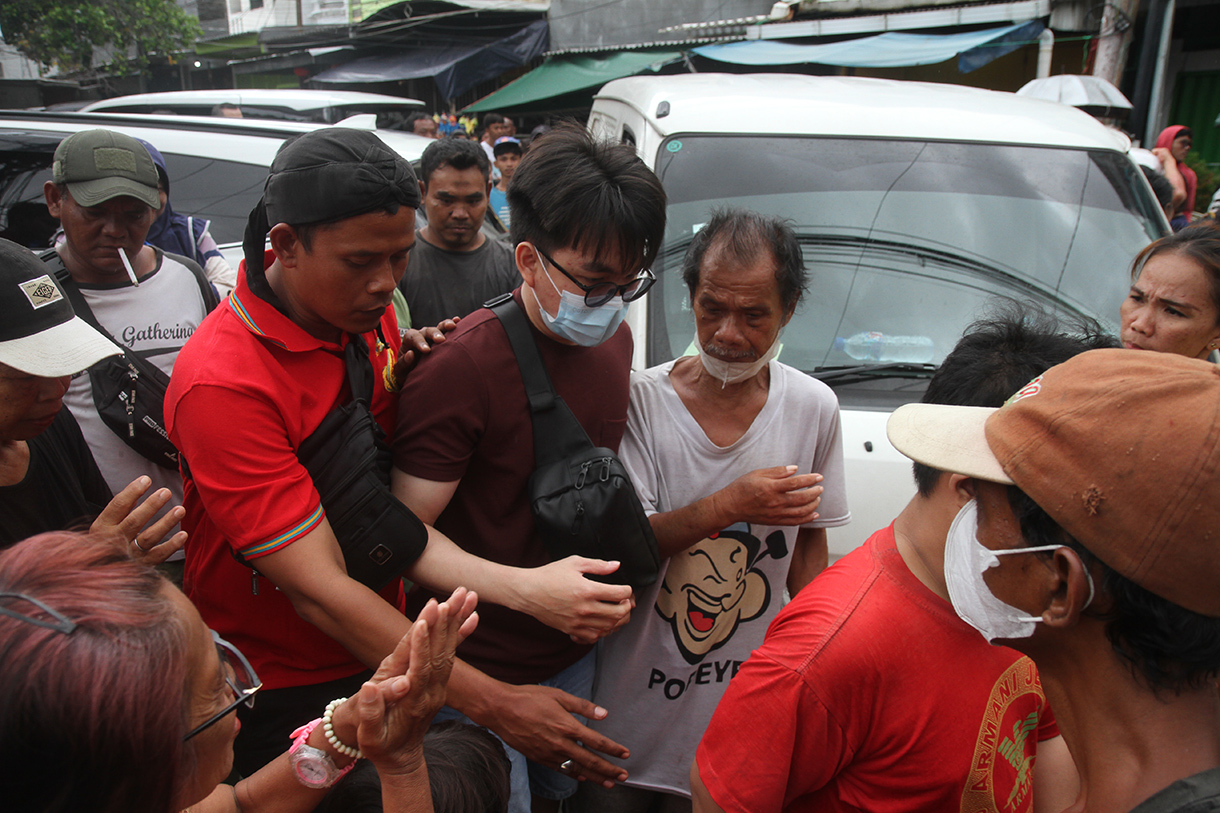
pixel 325 176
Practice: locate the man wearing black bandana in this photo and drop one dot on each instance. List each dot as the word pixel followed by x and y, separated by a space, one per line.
pixel 256 380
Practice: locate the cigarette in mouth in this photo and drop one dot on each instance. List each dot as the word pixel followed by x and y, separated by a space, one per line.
pixel 127 264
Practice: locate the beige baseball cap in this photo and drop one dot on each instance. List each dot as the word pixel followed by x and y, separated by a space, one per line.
pixel 40 334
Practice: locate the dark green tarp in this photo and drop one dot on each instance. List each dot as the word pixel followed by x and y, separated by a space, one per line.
pixel 569 73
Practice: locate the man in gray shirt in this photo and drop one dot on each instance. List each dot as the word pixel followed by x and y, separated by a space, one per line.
pixel 454 268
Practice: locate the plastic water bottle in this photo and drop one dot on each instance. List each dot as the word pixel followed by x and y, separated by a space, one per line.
pixel 878 347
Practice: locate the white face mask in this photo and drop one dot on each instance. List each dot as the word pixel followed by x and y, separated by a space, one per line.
pixel 966 560
pixel 733 372
pixel 576 321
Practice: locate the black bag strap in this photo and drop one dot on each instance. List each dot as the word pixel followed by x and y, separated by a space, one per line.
pixel 56 265
pixel 359 369
pixel 557 433
pixel 206 289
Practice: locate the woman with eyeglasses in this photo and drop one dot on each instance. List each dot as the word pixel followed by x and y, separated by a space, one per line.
pixel 1174 302
pixel 117 698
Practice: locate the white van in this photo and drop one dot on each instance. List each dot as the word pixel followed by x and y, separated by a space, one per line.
pixel 915 204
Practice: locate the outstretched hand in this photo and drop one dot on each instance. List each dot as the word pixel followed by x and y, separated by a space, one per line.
pixel 418 343
pixel 396 706
pixel 538 721
pixel 126 519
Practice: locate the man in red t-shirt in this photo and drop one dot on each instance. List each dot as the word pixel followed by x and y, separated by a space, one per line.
pixel 869 693
pixel 586 218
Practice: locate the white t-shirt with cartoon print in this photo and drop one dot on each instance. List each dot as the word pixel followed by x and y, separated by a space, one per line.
pixel 661 676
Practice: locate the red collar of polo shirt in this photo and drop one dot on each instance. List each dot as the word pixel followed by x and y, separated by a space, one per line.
pixel 264 317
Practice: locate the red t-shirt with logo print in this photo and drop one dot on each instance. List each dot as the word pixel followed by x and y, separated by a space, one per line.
pixel 870 693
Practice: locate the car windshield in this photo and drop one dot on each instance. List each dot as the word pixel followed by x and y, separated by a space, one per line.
pixel 908 238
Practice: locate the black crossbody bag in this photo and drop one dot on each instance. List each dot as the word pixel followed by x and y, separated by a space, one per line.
pixel 128 390
pixel 583 501
pixel 349 461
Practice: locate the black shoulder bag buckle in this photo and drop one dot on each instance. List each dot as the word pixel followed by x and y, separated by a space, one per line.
pixel 128 390
pixel 349 461
pixel 583 501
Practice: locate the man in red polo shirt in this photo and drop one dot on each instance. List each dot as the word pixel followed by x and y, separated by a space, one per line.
pixel 256 380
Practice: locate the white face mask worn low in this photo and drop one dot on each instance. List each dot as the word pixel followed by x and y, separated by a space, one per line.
pixel 734 372
pixel 966 560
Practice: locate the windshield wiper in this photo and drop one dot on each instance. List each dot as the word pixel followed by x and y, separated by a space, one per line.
pixel 894 369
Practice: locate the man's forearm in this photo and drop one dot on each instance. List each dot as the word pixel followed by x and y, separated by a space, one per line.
pixel 809 557
pixel 370 629
pixel 443 567
pixel 677 530
pixel 367 625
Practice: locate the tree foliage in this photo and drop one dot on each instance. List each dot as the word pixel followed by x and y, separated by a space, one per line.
pixel 66 32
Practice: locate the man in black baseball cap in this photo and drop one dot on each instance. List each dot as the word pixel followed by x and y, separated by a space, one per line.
pixel 48 479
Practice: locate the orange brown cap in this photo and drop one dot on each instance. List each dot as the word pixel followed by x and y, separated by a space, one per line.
pixel 1120 447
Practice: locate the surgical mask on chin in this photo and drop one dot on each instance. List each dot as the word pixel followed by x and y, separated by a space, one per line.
pixel 966 560
pixel 734 372
pixel 576 321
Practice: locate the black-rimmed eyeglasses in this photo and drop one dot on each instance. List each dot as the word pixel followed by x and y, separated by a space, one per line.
pixel 599 293
pixel 240 676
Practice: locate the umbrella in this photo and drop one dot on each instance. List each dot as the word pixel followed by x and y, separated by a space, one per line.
pixel 1092 94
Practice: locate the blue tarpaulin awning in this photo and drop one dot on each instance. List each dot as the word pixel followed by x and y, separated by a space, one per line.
pixel 456 67
pixel 973 49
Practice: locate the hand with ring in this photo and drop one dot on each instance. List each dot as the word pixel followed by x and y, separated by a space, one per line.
pixel 123 518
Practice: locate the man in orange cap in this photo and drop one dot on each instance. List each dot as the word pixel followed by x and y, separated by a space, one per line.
pixel 1090 545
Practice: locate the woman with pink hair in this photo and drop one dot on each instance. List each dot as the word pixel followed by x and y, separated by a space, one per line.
pixel 117 698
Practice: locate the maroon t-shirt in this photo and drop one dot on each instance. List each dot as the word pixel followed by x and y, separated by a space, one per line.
pixel 463 415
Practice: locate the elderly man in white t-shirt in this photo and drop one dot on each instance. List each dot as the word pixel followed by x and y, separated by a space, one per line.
pixel 738 460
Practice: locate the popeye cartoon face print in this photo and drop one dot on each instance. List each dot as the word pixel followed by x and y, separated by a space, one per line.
pixel 713 586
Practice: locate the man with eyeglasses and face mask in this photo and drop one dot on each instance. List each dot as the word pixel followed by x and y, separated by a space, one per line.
pixel 1090 546
pixel 587 217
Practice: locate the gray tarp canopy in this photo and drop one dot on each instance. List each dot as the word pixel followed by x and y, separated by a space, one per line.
pixel 456 67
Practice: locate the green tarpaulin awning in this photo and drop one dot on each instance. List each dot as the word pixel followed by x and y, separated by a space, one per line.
pixel 566 74
pixel 228 47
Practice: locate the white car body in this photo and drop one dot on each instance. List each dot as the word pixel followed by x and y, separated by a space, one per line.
pixel 659 113
pixel 323 106
pixel 217 166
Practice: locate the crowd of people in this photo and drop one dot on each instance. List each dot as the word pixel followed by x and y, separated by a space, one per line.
pixel 332 452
